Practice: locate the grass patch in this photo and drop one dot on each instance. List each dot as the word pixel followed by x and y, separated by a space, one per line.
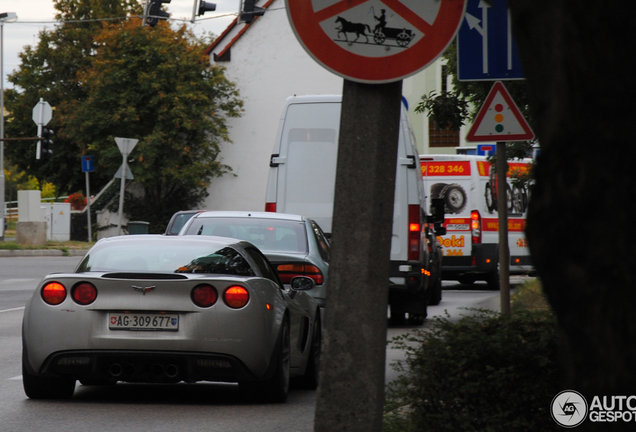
pixel 485 372
pixel 63 246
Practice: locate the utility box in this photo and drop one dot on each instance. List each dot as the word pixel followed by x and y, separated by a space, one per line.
pixel 31 226
pixel 58 221
pixel 29 206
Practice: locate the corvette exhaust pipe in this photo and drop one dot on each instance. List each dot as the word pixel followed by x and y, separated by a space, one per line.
pixel 172 371
pixel 115 370
pixel 157 369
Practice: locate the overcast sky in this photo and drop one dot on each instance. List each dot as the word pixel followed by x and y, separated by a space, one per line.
pixel 35 15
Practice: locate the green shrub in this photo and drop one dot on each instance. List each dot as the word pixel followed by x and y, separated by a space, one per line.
pixel 485 372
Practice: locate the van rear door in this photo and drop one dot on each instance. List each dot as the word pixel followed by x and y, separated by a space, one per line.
pixel 309 142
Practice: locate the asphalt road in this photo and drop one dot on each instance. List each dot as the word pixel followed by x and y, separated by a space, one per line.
pixel 155 408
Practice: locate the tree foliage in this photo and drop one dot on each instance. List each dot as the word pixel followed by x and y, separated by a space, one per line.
pixel 115 78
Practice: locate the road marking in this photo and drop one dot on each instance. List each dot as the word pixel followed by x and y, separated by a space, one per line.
pixel 15 378
pixel 11 310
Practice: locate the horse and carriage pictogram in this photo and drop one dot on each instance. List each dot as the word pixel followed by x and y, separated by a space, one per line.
pixel 380 33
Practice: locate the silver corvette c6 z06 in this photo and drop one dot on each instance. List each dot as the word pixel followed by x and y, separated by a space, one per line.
pixel 162 309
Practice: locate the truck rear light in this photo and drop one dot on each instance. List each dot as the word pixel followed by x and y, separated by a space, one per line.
pixel 84 293
pixel 415 233
pixel 287 272
pixel 475 226
pixel 270 207
pixel 236 297
pixel 54 293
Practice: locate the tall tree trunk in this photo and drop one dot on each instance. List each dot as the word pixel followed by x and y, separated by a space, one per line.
pixel 577 57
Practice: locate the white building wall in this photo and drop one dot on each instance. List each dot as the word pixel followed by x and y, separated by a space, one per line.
pixel 268 64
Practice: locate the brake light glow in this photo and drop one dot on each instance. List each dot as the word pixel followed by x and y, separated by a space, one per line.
pixel 236 297
pixel 414 234
pixel 204 296
pixel 270 207
pixel 53 293
pixel 287 272
pixel 84 293
pixel 475 226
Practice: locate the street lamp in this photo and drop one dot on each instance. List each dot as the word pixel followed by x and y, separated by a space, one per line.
pixel 4 17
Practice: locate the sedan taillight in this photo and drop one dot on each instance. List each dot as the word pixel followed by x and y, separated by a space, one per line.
pixel 53 293
pixel 204 296
pixel 84 293
pixel 236 296
pixel 287 272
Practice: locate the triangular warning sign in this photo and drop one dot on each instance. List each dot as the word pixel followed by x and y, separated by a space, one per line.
pixel 499 119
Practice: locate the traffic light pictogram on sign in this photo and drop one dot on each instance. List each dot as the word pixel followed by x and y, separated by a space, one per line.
pixel 499 119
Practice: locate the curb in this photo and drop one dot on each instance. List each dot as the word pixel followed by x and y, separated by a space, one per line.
pixel 41 252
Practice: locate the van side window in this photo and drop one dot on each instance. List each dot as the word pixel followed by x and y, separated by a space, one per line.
pixel 323 245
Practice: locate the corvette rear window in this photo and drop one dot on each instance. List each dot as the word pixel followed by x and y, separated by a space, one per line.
pixel 172 257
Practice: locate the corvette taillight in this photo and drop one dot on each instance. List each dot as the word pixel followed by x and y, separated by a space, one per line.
pixel 287 272
pixel 53 293
pixel 84 293
pixel 236 297
pixel 204 296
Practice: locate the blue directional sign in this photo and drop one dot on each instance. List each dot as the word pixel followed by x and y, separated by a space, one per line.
pixel 485 47
pixel 87 164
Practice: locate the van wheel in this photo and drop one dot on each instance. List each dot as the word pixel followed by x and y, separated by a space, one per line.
pixel 435 296
pixel 397 314
pixel 454 198
pixel 493 281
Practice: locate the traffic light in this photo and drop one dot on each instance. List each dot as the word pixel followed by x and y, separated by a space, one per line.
pixel 205 7
pixel 250 11
pixel 46 143
pixel 155 13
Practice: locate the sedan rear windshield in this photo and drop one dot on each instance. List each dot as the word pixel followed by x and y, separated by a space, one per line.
pixel 173 258
pixel 268 235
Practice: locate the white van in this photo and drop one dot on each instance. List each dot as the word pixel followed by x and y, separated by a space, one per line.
pixel 471 244
pixel 302 180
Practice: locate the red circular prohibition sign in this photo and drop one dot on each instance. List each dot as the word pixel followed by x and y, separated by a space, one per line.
pixel 436 37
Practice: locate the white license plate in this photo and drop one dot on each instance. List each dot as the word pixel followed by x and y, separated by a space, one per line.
pixel 143 321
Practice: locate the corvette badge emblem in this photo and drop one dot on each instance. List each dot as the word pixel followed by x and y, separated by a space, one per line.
pixel 143 290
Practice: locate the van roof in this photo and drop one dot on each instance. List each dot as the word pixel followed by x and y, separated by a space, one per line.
pixel 313 99
pixel 255 214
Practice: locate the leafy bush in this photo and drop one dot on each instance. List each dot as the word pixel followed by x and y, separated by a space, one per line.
pixel 485 372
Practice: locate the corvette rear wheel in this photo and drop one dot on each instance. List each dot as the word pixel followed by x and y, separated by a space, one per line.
pixel 276 388
pixel 37 387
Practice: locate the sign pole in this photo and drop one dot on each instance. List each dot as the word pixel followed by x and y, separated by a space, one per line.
pixel 502 210
pixel 126 146
pixel 88 207
pixel 362 215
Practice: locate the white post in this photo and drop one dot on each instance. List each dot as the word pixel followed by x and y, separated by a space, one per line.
pixel 124 167
pixel 88 207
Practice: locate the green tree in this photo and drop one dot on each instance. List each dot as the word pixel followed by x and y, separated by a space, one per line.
pixel 156 85
pixel 112 77
pixel 50 70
